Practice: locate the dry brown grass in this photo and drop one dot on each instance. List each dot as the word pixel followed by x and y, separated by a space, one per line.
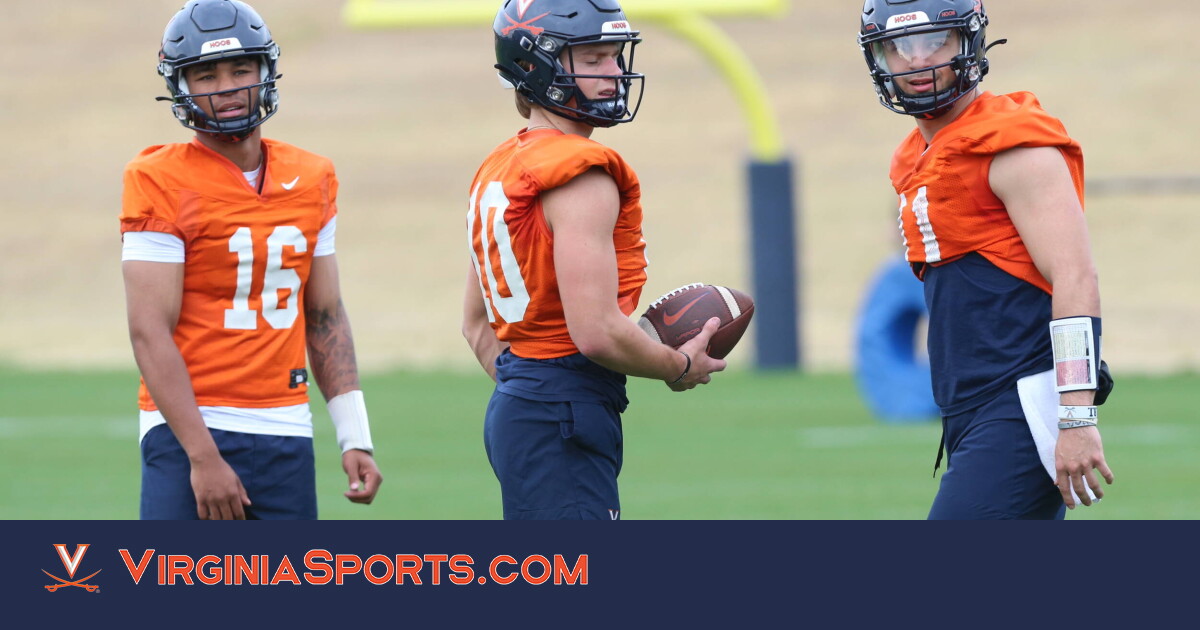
pixel 407 115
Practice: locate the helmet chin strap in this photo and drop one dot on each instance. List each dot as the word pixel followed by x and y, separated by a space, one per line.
pixel 995 43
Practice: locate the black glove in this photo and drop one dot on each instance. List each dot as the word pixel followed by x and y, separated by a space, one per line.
pixel 1105 383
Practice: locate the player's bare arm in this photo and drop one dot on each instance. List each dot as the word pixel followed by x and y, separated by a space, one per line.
pixel 153 294
pixel 327 330
pixel 335 368
pixel 582 215
pixel 1035 185
pixel 476 329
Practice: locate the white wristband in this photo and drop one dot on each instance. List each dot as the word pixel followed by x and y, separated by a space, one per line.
pixel 1077 412
pixel 349 415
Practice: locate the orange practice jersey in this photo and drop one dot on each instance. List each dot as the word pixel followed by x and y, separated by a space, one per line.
pixel 513 249
pixel 248 257
pixel 947 207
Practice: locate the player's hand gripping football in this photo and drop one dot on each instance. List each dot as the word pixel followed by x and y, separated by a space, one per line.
pixel 702 365
pixel 363 475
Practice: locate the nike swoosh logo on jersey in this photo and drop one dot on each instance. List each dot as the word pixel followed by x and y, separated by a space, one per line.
pixel 292 184
pixel 670 319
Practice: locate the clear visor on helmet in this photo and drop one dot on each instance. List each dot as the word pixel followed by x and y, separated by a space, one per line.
pixel 916 51
pixel 595 60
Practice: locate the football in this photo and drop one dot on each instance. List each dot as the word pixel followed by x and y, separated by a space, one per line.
pixel 680 315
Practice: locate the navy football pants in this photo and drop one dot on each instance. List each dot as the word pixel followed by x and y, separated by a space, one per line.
pixel 993 470
pixel 554 460
pixel 278 473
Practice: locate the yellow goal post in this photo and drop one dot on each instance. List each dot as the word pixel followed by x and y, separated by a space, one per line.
pixel 686 18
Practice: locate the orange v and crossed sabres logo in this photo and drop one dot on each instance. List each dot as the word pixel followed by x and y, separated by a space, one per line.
pixel 670 319
pixel 71 563
pixel 527 24
pixel 522 7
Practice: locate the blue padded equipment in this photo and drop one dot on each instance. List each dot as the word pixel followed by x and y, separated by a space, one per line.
pixel 892 378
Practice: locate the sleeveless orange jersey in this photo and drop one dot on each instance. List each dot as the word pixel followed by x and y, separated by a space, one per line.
pixel 947 208
pixel 248 257
pixel 512 247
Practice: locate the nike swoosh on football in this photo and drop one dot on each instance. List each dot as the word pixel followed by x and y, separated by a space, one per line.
pixel 670 319
pixel 292 184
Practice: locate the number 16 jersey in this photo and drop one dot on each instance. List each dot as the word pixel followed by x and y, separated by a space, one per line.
pixel 248 255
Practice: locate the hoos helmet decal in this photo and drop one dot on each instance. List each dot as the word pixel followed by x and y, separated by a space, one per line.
pixel 537 43
pixel 211 31
pixel 924 55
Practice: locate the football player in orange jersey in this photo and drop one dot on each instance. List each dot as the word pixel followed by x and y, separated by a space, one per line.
pixel 228 259
pixel 558 264
pixel 991 209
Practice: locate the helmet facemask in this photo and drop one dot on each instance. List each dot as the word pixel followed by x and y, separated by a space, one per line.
pixel 957 45
pixel 566 98
pixel 931 89
pixel 262 98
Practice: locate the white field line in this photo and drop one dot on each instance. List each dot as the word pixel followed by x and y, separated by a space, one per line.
pixel 70 427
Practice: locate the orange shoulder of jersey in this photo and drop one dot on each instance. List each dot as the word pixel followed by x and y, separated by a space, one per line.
pixel 248 259
pixel 947 207
pixel 513 249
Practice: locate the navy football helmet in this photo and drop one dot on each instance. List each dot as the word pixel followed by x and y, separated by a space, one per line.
pixel 908 31
pixel 212 30
pixel 531 36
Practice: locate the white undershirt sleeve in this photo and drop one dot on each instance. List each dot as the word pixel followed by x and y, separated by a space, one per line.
pixel 325 238
pixel 163 247
pixel 152 247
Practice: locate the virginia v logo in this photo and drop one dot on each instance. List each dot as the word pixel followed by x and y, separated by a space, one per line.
pixel 71 563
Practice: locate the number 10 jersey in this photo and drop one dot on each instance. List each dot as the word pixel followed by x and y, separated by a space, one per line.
pixel 512 247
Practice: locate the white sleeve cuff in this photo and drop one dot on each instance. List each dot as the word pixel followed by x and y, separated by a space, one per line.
pixel 325 238
pixel 349 414
pixel 152 247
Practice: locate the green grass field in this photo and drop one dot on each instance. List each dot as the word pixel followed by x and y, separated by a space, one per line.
pixel 751 446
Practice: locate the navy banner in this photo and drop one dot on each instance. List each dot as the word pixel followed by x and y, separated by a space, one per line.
pixel 589 574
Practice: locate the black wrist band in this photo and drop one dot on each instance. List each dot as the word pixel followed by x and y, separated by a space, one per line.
pixel 686 368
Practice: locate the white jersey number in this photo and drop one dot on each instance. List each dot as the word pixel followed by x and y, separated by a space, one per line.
pixel 276 278
pixel 920 209
pixel 493 204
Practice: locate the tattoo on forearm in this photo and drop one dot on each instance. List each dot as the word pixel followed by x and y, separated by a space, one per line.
pixel 331 349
